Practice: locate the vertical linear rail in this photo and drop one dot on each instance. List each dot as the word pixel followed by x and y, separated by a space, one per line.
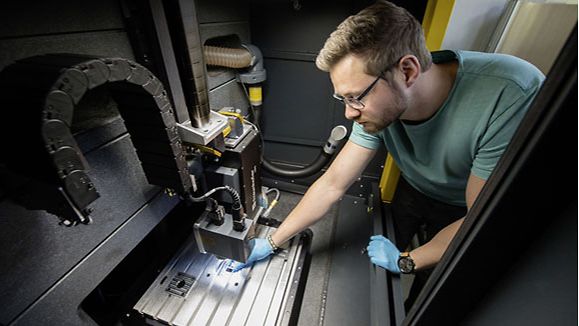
pixel 199 112
pixel 163 36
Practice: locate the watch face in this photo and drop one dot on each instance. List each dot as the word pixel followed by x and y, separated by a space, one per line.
pixel 406 265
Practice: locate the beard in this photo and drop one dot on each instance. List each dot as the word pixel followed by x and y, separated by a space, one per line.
pixel 372 128
pixel 392 112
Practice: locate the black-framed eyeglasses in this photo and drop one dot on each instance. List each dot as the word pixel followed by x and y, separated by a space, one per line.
pixel 356 102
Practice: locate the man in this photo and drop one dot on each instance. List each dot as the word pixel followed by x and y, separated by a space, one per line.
pixel 445 117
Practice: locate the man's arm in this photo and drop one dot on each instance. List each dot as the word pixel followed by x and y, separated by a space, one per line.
pixel 343 171
pixel 430 253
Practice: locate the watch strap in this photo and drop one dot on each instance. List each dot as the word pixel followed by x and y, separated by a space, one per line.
pixel 405 261
pixel 274 247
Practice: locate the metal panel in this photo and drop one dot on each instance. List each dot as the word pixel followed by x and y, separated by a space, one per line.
pixel 209 11
pixel 240 29
pixel 305 26
pixel 298 103
pixel 38 17
pixel 229 94
pixel 348 300
pixel 103 44
pixel 38 251
pixel 472 23
pixel 218 296
pixel 535 32
pixel 74 286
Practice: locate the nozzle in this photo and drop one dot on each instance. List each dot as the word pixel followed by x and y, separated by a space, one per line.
pixel 336 136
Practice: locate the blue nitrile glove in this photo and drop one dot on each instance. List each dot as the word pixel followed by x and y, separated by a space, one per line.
pixel 384 253
pixel 261 250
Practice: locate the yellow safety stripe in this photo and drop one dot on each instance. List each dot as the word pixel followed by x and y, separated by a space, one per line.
pixel 389 179
pixel 435 21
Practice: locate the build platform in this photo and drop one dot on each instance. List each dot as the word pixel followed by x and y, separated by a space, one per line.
pixel 201 289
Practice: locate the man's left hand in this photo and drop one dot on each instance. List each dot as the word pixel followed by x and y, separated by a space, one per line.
pixel 384 253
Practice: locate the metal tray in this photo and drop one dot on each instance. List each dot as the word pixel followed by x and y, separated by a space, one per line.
pixel 201 289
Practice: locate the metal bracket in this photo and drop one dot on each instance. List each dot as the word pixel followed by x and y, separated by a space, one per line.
pixel 217 123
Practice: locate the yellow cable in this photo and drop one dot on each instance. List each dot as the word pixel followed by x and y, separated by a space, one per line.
pixel 233 114
pixel 226 131
pixel 209 150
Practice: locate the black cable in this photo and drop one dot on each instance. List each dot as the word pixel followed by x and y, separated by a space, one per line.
pixel 236 208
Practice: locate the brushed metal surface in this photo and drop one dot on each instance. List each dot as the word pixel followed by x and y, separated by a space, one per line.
pixel 217 296
pixel 535 31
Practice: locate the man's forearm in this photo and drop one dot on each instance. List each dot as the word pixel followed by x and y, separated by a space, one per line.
pixel 430 253
pixel 311 208
pixel 343 171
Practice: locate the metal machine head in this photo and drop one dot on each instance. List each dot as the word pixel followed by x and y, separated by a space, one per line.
pixel 223 240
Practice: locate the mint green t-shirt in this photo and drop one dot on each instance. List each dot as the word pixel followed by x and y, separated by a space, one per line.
pixel 469 132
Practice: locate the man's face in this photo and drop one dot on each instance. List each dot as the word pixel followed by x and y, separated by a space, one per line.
pixel 383 104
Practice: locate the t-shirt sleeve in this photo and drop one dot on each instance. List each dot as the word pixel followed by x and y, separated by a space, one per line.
pixel 499 132
pixel 364 139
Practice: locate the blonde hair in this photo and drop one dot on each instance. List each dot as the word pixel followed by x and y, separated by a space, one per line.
pixel 381 34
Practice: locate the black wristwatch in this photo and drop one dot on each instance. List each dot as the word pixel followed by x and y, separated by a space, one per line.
pixel 405 263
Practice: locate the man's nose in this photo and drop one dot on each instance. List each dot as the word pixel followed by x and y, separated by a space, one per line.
pixel 351 113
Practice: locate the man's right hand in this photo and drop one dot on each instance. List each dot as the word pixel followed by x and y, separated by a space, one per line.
pixel 261 250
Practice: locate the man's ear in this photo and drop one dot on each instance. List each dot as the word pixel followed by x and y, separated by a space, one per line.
pixel 410 68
